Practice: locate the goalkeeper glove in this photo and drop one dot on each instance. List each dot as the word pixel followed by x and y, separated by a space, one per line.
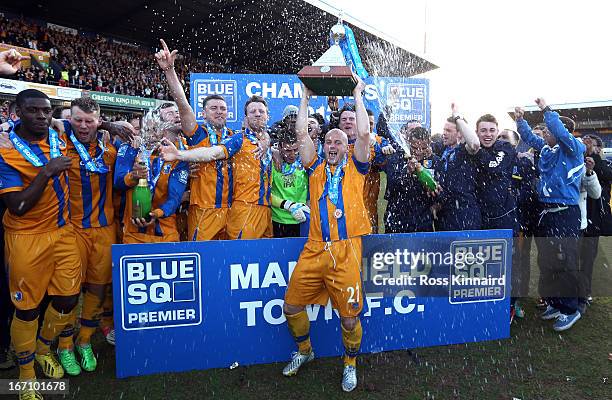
pixel 298 210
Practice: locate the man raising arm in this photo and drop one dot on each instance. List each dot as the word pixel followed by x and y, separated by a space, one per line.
pixel 212 185
pixel 250 215
pixel 561 166
pixel 330 263
pixel 165 60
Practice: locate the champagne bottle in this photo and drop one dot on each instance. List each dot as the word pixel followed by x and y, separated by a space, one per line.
pixel 423 174
pixel 141 200
pixel 425 178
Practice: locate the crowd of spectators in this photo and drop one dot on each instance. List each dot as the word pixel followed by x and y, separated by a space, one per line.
pixel 94 63
pixel 4 110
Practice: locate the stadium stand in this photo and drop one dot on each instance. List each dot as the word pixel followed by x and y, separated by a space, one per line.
pixel 93 62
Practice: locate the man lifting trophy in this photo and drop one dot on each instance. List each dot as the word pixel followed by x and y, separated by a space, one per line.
pixel 333 74
pixel 329 266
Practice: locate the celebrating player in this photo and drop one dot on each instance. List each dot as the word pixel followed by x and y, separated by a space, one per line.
pixel 330 263
pixel 212 187
pixel 166 181
pixel 409 201
pixel 250 215
pixel 42 254
pixel 457 208
pixel 494 161
pixel 289 189
pixel 561 166
pixel 91 203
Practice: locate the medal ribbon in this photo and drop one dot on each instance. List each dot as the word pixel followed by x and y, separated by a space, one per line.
pixel 265 161
pixel 24 149
pixel 333 180
pixel 159 166
pixel 95 165
pixel 288 169
pixel 145 156
pixel 447 156
pixel 212 135
pixel 154 177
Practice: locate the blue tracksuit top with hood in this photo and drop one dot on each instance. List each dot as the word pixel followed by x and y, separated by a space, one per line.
pixel 561 166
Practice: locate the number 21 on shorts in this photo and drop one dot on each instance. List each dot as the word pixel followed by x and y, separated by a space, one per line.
pixel 353 294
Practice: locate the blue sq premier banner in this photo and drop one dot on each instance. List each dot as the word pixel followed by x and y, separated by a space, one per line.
pixel 160 291
pixel 199 305
pixel 466 283
pixel 407 97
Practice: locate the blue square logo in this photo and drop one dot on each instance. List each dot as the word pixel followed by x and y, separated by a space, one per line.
pixel 408 103
pixel 183 291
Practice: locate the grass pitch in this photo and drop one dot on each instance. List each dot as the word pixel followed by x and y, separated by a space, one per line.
pixel 535 363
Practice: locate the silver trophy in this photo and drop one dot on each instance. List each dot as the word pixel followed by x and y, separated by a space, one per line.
pixel 152 132
pixel 330 75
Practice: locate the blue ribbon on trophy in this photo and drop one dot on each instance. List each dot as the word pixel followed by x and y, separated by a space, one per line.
pixel 348 44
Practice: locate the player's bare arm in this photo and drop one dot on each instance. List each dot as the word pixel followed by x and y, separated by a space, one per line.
pixel 165 59
pixel 362 144
pixel 306 146
pixel 472 143
pixel 169 152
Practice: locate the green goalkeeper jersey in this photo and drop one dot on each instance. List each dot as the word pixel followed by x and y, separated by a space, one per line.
pixel 289 184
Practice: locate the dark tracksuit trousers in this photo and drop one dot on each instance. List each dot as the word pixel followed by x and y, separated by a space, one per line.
pixel 520 286
pixel 588 253
pixel 558 234
pixel 461 218
pixel 285 230
pixel 509 221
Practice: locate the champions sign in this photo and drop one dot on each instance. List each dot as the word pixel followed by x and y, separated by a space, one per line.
pixel 407 97
pixel 212 304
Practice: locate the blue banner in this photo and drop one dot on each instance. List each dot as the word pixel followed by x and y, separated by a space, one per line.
pixel 198 305
pixel 407 97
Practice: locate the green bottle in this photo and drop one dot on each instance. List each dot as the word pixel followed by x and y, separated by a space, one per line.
pixel 141 200
pixel 425 178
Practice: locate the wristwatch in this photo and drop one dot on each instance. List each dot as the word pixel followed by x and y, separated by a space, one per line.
pixel 457 118
pixel 547 108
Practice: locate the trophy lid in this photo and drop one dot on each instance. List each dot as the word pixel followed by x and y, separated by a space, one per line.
pixel 338 32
